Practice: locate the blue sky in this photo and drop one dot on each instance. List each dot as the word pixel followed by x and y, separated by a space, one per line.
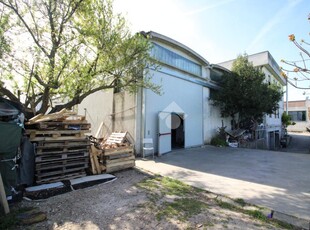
pixel 219 30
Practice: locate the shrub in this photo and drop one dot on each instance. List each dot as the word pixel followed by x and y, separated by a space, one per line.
pixel 218 141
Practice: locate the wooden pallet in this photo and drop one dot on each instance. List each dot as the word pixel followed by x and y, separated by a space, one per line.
pixel 119 158
pixel 116 138
pixel 65 125
pixel 61 156
pixel 62 163
pixel 55 178
pixel 58 142
pixel 119 166
pixel 61 149
pixel 34 133
pixel 62 169
pixel 119 151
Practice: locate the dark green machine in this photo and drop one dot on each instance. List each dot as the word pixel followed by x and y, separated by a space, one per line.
pixel 10 139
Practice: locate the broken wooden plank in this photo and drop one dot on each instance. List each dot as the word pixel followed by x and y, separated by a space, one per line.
pixel 3 199
pixel 95 153
pixel 92 164
pixel 35 118
pixel 50 117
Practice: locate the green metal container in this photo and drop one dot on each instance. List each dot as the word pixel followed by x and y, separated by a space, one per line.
pixel 10 138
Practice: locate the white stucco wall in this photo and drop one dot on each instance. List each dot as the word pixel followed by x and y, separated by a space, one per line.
pixel 125 113
pixel 212 118
pixel 272 122
pixel 98 109
pixel 179 96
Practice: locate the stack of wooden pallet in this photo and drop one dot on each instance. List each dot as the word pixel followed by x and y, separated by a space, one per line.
pixel 114 154
pixel 62 149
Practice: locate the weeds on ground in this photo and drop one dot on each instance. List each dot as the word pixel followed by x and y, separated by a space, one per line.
pixel 187 201
pixel 10 221
pixel 183 209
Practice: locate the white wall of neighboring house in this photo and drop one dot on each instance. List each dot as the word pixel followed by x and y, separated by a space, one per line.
pixel 99 107
pixel 273 120
pixel 124 114
pixel 299 106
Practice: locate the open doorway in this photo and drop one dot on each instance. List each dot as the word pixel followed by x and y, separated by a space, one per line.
pixel 177 131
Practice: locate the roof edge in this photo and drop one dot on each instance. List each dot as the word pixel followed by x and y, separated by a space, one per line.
pixel 156 36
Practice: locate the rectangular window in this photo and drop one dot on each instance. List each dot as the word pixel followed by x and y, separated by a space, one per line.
pixel 175 60
pixel 277 113
pixel 297 115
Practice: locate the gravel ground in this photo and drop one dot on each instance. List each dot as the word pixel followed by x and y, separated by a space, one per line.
pixel 123 205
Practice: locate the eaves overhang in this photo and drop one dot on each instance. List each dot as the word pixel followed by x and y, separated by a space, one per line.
pixel 153 36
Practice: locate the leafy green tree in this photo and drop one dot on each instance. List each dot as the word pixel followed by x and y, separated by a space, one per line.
pixel 245 95
pixel 4 25
pixel 69 49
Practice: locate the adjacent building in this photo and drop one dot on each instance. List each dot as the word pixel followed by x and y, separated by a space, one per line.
pixel 300 114
pixel 272 122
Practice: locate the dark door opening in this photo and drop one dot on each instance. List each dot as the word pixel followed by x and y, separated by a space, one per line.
pixel 177 131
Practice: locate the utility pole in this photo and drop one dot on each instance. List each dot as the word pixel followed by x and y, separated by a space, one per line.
pixel 286 95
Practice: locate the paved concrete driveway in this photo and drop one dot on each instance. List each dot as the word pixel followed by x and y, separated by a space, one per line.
pixel 277 180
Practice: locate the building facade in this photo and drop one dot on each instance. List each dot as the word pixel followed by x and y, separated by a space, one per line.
pixel 300 114
pixel 272 122
pixel 181 117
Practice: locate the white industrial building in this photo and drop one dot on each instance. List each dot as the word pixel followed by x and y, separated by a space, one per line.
pixel 181 117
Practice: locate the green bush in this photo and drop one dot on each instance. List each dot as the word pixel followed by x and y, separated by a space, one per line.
pixel 218 141
pixel 287 120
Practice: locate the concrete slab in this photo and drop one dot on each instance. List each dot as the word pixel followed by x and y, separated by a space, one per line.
pixel 277 180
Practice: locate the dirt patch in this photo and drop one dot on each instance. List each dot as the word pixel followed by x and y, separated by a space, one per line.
pixel 135 202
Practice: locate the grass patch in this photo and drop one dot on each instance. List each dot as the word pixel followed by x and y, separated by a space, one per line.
pixel 175 187
pixel 168 186
pixel 226 205
pixel 181 208
pixel 257 215
pixel 240 201
pixel 189 202
pixel 149 184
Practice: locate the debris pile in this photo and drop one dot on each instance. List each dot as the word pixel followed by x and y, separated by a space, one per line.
pixel 62 148
pixel 111 155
